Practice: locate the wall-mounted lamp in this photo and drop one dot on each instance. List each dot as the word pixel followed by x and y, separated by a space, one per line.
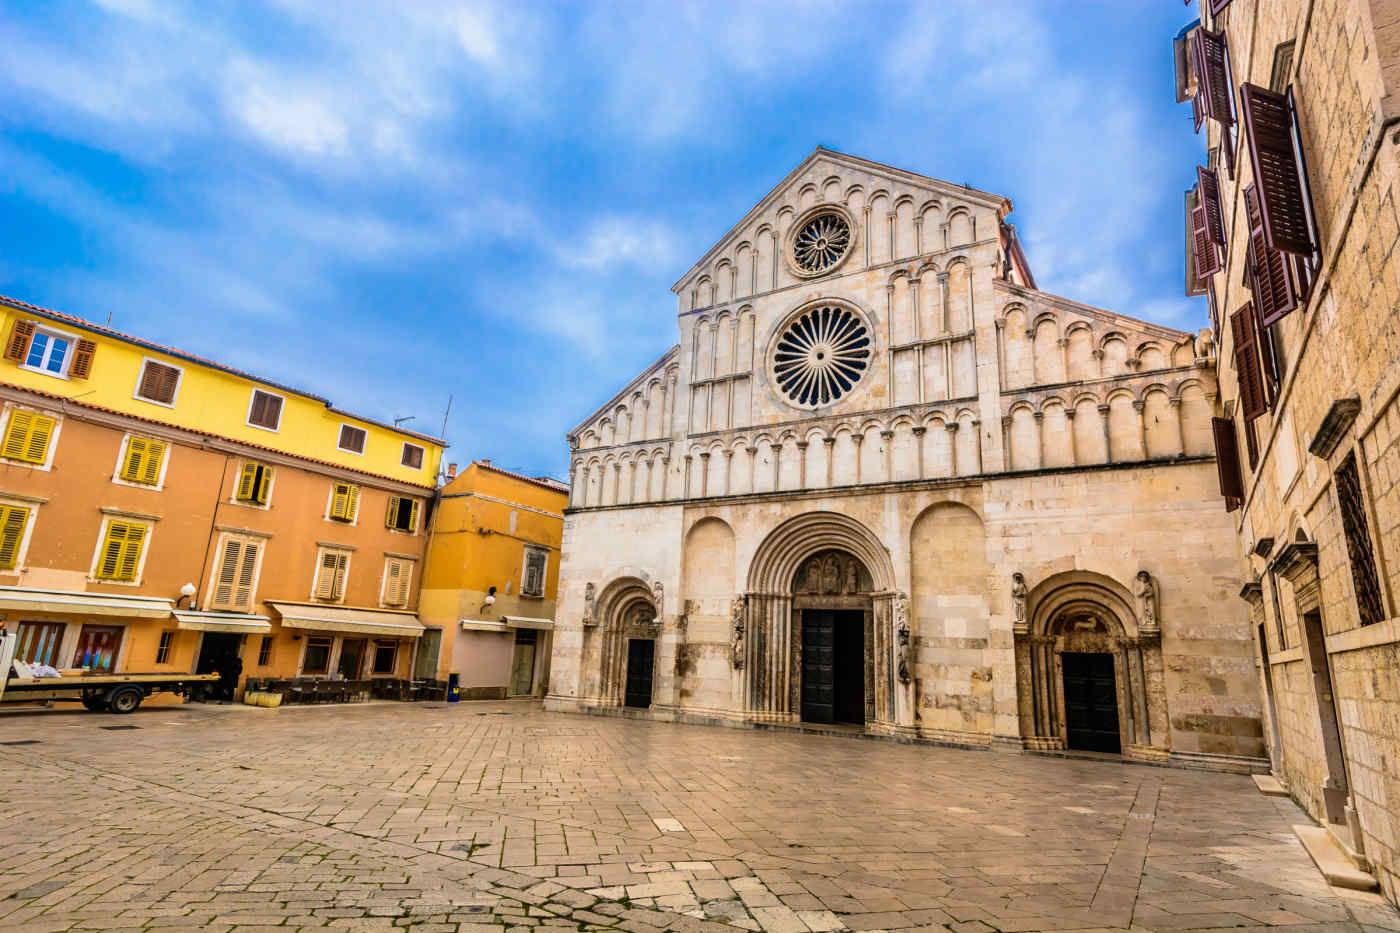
pixel 490 599
pixel 187 592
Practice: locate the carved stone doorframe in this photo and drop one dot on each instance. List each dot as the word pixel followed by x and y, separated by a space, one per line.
pixel 627 608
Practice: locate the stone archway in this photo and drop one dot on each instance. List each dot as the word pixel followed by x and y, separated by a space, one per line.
pixel 626 610
pixel 817 561
pixel 1074 622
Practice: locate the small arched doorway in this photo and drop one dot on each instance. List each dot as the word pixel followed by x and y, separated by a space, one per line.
pixel 833 613
pixel 628 631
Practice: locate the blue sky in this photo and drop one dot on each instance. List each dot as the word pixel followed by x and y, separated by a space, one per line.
pixel 491 200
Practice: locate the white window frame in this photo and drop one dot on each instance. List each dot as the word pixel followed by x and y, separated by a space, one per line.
pixel 261 540
pixel 349 553
pixel 281 411
pixel 43 328
pixel 141 375
pixel 33 504
pixel 422 456
pixel 525 567
pixel 271 486
pixel 340 430
pixel 121 459
pixel 47 465
pixel 412 563
pixel 113 515
pixel 330 501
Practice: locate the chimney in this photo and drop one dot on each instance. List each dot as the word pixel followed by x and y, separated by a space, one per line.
pixel 451 471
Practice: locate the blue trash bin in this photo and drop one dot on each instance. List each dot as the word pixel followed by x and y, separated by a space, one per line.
pixel 454 687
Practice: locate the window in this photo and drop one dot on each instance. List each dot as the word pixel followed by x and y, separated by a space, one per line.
pixel 27 437
pixel 532 582
pixel 265 410
pixel 345 502
pixel 142 461
pixel 1352 504
pixel 14 519
pixel 1283 67
pixel 265 651
pixel 236 574
pixel 352 439
pixel 254 483
pixel 38 642
pixel 412 456
pixel 48 352
pixel 386 657
pixel 97 647
pixel 119 558
pixel 159 383
pixel 331 566
pixel 402 514
pixel 398 580
pixel 318 656
pixel 167 641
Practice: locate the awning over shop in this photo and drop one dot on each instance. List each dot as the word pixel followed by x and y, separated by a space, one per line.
pixel 482 625
pixel 543 625
pixel 235 622
pixel 357 621
pixel 28 599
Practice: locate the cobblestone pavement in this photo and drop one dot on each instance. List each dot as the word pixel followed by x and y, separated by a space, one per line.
pixel 476 817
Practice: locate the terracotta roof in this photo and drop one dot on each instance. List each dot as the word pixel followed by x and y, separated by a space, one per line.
pixel 547 482
pixel 202 361
pixel 232 440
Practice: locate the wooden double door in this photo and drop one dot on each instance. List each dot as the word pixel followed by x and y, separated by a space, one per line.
pixel 1091 702
pixel 833 665
pixel 641 661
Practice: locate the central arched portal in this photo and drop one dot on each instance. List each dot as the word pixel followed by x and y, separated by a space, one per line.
pixel 818 643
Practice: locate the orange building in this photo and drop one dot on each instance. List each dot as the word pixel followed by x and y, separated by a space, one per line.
pixel 161 512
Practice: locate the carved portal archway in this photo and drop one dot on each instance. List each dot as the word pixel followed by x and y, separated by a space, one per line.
pixel 1088 613
pixel 626 609
pixel 820 560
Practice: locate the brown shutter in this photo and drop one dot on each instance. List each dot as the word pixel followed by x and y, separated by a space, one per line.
pixel 1207 258
pixel 1252 397
pixel 1268 128
pixel 169 381
pixel 81 366
pixel 1268 273
pixel 1198 116
pixel 1266 353
pixel 1227 462
pixel 17 347
pixel 1208 196
pixel 1218 6
pixel 1212 78
pixel 150 381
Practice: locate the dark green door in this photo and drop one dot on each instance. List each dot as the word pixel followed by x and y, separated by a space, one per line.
pixel 1091 702
pixel 640 659
pixel 818 665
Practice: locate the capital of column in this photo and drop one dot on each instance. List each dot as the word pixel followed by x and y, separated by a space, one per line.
pixel 801 445
pixel 1069 414
pixel 889 287
pixel 1000 323
pixel 1038 415
pixel 705 455
pixel 891 215
pixel 1006 422
pixel 887 434
pixel 1139 405
pixel 829 441
pixel 617 467
pixel 919 430
pixel 857 439
pixel 952 427
pixel 1030 333
pixel 1062 342
pixel 729 455
pixel 1175 401
pixel 751 450
pixel 1098 353
pixel 1103 409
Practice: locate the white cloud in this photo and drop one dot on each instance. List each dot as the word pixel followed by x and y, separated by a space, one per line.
pixel 285 113
pixel 613 241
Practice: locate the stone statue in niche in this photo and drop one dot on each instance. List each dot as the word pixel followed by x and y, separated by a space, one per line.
pixel 1205 345
pixel 831 574
pixel 659 594
pixel 901 626
pixel 1019 592
pixel 1146 592
pixel 813 576
pixel 850 577
pixel 736 638
pixel 590 608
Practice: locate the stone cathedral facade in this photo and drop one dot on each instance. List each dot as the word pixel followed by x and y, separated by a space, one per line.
pixel 883 480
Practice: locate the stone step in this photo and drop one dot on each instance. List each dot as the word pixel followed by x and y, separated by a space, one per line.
pixel 1269 785
pixel 1332 860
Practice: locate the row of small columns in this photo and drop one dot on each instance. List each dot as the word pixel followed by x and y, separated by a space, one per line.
pixel 1138 406
pixel 1062 343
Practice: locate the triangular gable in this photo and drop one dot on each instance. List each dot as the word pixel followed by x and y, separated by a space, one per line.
pixel 667 359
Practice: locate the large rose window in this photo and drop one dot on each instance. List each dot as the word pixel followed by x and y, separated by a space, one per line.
pixel 821 355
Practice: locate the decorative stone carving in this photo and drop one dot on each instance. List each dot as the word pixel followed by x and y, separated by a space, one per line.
pixel 1205 345
pixel 901 625
pixel 1146 592
pixel 850 576
pixel 659 593
pixel 831 573
pixel 736 639
pixel 1019 592
pixel 590 605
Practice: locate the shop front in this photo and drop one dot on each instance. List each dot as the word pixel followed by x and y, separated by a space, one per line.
pixel 503 658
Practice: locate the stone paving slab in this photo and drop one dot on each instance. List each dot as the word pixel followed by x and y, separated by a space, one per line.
pixel 498 816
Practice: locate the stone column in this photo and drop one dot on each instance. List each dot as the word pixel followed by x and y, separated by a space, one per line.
pixel 646 494
pixel 889 219
pixel 1142 692
pixel 889 326
pixel 753 468
pixel 1039 417
pixel 918 236
pixel 952 427
pixel 1073 438
pixel 616 481
pixel 1063 344
pixel 888 438
pixel 685 489
pixel 1124 653
pixel 665 476
pixel 1001 352
pixel 1140 406
pixel 976 426
pixel 1006 439
pixel 777 451
pixel 728 465
pixel 943 280
pixel 858 439
pixel 801 464
pixel 947 369
pixel 919 431
pixel 1098 362
pixel 1025 686
pixel 704 474
pixel 830 443
pixel 1107 438
pixel 1030 342
pixel 1175 404
pixel 867 237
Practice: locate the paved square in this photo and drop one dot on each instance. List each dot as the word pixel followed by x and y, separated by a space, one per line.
pixel 479 817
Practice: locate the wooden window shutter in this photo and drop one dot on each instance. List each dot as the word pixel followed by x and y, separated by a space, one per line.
pixel 1198 115
pixel 413 507
pixel 391 515
pixel 1227 462
pixel 243 592
pixel 21 335
pixel 1207 257
pixel 131 551
pixel 155 453
pixel 345 501
pixel 135 456
pixel 27 437
pixel 1253 400
pixel 228 574
pixel 81 367
pixel 1268 274
pixel 394 590
pixel 264 484
pixel 13 520
pixel 110 562
pixel 1269 127
pixel 412 456
pixel 247 482
pixel 1212 76
pixel 159 382
pixel 1218 6
pixel 352 502
pixel 266 411
pixel 1208 195
pixel 330 582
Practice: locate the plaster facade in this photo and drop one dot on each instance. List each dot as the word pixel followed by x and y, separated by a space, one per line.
pixel 733 506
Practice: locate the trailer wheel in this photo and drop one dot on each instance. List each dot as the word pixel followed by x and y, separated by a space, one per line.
pixel 124 699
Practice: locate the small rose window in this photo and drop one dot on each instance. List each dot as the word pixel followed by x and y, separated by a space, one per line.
pixel 821 243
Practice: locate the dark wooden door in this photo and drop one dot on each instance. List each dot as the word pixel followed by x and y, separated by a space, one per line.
pixel 818 669
pixel 1091 702
pixel 640 659
pixel 848 665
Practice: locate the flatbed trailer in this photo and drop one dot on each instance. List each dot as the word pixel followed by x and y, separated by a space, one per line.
pixel 114 693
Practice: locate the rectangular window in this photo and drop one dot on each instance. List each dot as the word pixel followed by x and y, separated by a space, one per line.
pixel 1283 67
pixel 159 383
pixel 39 641
pixel 1363 559
pixel 254 483
pixel 318 656
pixel 386 657
pixel 14 519
pixel 27 437
pixel 398 578
pixel 122 545
pixel 142 461
pixel 330 574
pixel 345 502
pixel 97 647
pixel 402 514
pixel 412 456
pixel 167 641
pixel 236 574
pixel 49 352
pixel 352 439
pixel 532 582
pixel 265 410
pixel 265 651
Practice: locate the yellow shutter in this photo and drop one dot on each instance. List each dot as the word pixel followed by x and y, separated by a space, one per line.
pixel 392 513
pixel 27 436
pixel 150 472
pixel 243 594
pixel 131 551
pixel 264 485
pixel 340 494
pixel 413 516
pixel 228 570
pixel 247 480
pixel 135 456
pixel 330 581
pixel 12 522
pixel 352 503
pixel 121 551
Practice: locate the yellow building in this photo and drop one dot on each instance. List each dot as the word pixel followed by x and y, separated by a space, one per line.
pixel 491 578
